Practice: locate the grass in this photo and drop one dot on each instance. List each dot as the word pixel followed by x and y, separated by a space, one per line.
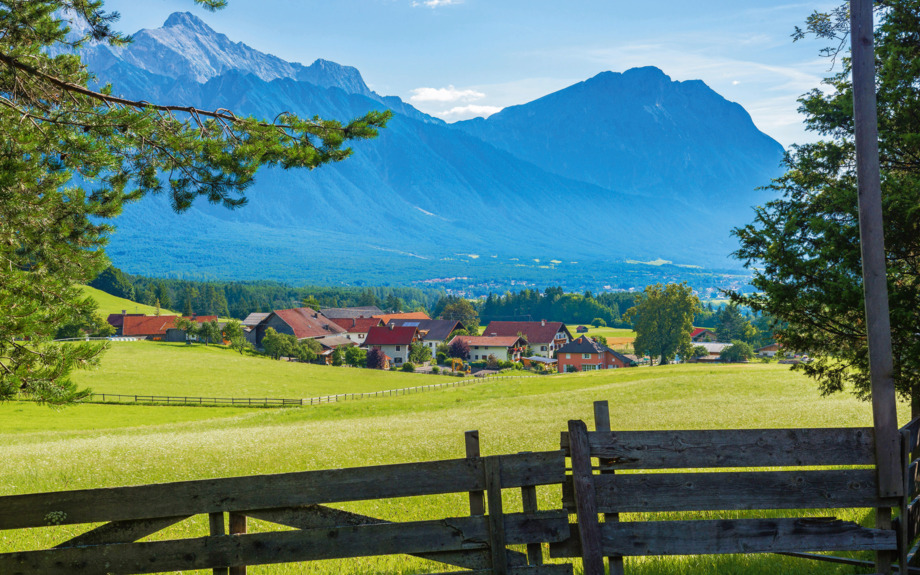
pixel 156 444
pixel 109 304
pixel 176 369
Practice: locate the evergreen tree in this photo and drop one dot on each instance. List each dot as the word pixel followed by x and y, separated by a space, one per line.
pixel 56 127
pixel 804 248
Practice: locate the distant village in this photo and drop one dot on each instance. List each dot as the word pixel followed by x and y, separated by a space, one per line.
pixel 414 341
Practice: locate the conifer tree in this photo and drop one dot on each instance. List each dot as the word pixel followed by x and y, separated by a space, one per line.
pixel 72 156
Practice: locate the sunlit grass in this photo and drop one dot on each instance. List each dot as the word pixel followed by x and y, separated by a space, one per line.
pixel 136 445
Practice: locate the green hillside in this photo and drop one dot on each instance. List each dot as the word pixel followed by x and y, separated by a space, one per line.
pixel 109 304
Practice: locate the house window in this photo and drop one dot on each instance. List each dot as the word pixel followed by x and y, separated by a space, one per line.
pixel 589 367
pixel 398 360
pixel 475 347
pixel 476 357
pixel 542 348
pixel 568 356
pixel 397 348
pixel 586 356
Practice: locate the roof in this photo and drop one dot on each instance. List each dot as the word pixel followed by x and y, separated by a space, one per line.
pixel 390 335
pixel 584 344
pixel 439 329
pixel 387 317
pixel 148 324
pixel 533 331
pixel 349 312
pixel 156 324
pixel 357 324
pixel 254 319
pixel 306 322
pixel 699 331
pixel 713 347
pixel 118 319
pixel 489 340
pixel 334 341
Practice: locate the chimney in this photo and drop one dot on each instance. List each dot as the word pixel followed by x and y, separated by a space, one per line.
pixel 543 322
pixel 391 325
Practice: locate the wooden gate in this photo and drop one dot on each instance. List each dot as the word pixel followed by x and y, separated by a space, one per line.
pixel 644 487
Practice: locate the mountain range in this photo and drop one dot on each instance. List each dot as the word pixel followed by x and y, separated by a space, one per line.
pixel 621 166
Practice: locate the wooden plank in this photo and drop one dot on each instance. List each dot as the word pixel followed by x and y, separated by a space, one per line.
pixel 529 504
pixel 452 534
pixel 237 527
pixel 216 521
pixel 585 500
pixel 653 492
pixel 901 524
pixel 913 478
pixel 558 569
pixel 913 434
pixel 844 561
pixel 602 423
pixel 497 543
pixel 318 516
pixel 912 520
pixel 733 448
pixel 872 248
pixel 122 531
pixel 709 537
pixel 477 498
pixel 267 491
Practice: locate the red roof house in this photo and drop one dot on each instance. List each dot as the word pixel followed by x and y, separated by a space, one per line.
pixel 392 340
pixel 503 347
pixel 301 322
pixel 700 334
pixel 156 326
pixel 356 328
pixel 585 354
pixel 545 337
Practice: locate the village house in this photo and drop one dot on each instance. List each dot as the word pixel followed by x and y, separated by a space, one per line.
pixel 585 354
pixel 504 348
pixel 769 350
pixel 301 322
pixel 544 337
pixel 158 327
pixel 431 332
pixel 117 320
pixel 702 334
pixel 330 343
pixel 356 327
pixel 713 351
pixel 393 341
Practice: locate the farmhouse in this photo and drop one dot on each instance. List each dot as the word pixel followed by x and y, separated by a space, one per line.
pixel 330 343
pixel 713 351
pixel 769 350
pixel 117 320
pixel 301 322
pixel 701 334
pixel 392 340
pixel 545 337
pixel 585 354
pixel 158 327
pixel 356 327
pixel 253 319
pixel 504 348
pixel 431 332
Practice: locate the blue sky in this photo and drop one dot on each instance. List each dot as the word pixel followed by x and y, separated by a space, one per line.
pixel 456 59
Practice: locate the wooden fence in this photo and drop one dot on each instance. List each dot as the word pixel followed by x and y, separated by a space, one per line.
pixel 674 472
pixel 477 543
pixel 645 488
pixel 280 402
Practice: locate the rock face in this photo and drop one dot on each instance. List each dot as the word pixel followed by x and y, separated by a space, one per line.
pixel 627 165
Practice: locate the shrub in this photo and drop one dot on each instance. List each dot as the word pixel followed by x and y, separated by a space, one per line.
pixel 460 349
pixel 375 359
pixel 492 362
pixel 408 366
pixel 570 369
pixel 435 370
pixel 598 322
pixel 442 357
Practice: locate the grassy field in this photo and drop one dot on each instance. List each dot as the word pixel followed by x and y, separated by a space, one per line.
pixel 160 368
pixel 109 304
pixel 44 450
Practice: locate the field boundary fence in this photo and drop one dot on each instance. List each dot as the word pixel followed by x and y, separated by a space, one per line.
pixel 767 481
pixel 293 402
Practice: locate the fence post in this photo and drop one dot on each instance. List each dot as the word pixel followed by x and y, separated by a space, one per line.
pixel 237 527
pixel 530 505
pixel 217 529
pixel 477 500
pixel 589 530
pixel 493 471
pixel 602 423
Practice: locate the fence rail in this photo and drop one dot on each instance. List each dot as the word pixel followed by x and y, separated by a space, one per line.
pixel 281 402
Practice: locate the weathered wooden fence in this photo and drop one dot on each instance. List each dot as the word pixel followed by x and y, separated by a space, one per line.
pixel 477 542
pixel 671 472
pixel 645 488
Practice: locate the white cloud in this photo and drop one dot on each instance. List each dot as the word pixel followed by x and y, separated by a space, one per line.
pixel 466 112
pixel 448 94
pixel 436 3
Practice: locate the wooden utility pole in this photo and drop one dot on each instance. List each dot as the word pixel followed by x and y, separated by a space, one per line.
pixel 872 243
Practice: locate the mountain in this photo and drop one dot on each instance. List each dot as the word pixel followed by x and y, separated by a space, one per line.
pixel 620 166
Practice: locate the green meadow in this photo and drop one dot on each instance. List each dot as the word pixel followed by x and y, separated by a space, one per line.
pixel 109 304
pixel 110 445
